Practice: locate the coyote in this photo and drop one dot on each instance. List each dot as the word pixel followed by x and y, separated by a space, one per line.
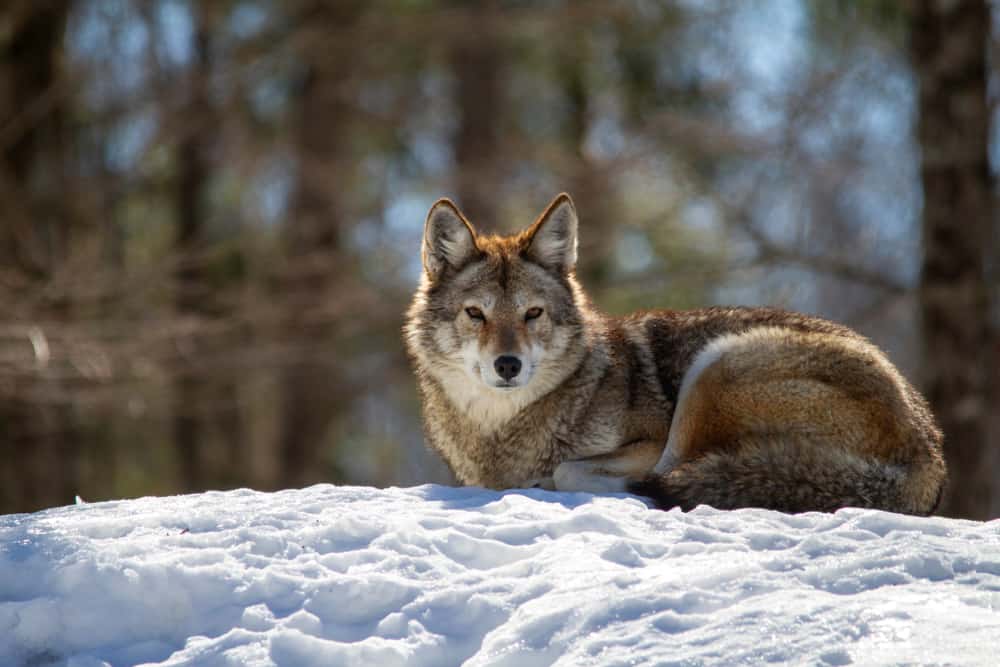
pixel 525 383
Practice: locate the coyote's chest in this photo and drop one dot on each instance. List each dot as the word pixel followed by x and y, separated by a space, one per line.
pixel 525 444
pixel 512 457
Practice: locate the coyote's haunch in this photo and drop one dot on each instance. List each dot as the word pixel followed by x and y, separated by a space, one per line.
pixel 525 383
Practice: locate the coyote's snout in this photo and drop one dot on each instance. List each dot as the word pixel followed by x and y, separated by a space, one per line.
pixel 524 382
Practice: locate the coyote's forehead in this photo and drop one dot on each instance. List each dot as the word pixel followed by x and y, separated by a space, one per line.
pixel 503 280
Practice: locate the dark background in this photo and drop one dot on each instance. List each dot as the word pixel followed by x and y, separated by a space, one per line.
pixel 210 212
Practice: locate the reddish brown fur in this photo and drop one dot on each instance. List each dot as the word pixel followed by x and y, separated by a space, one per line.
pixel 792 412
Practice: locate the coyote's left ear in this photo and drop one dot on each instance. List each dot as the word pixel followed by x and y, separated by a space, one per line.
pixel 552 239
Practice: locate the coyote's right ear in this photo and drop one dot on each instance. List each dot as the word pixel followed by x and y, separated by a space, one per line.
pixel 449 239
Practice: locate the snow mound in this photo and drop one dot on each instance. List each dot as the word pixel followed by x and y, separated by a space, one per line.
pixel 442 576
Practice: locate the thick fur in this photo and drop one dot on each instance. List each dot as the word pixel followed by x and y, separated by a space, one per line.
pixel 782 474
pixel 732 407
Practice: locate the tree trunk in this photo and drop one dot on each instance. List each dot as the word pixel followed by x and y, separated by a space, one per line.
pixel 949 45
pixel 312 382
pixel 189 395
pixel 39 423
pixel 590 187
pixel 476 59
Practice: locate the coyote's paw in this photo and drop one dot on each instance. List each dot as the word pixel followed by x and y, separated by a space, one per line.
pixel 587 477
pixel 546 483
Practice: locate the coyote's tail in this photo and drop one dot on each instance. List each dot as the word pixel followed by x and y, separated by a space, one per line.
pixel 793 476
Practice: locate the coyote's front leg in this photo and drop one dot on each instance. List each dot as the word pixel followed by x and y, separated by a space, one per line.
pixel 546 483
pixel 609 473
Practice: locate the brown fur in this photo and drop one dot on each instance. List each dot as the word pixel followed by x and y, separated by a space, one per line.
pixel 754 406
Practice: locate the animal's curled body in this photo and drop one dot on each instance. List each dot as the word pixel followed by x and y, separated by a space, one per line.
pixel 524 383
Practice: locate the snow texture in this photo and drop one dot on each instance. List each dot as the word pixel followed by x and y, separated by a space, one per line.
pixel 442 576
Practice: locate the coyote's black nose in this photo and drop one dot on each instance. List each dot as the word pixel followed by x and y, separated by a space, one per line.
pixel 507 367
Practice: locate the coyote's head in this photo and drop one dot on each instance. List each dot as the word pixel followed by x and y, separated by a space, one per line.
pixel 497 321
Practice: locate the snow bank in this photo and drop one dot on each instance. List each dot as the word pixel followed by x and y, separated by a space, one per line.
pixel 441 576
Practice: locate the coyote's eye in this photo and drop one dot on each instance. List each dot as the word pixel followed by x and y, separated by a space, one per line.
pixel 532 313
pixel 475 313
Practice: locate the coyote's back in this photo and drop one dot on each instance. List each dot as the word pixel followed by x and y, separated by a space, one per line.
pixel 525 383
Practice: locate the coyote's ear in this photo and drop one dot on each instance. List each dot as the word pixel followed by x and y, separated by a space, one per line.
pixel 449 239
pixel 552 239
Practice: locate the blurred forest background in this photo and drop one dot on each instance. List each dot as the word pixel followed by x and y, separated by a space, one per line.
pixel 210 212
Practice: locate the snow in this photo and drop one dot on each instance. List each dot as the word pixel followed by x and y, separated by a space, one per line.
pixel 441 576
